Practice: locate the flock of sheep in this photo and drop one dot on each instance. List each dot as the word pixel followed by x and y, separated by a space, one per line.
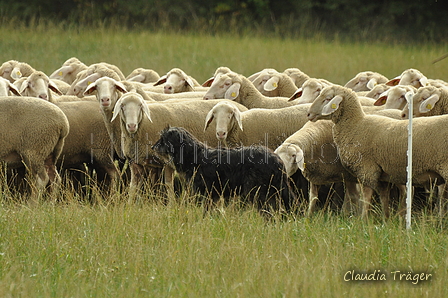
pixel 96 116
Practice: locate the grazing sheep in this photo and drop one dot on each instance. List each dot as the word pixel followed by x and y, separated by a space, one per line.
pixel 6 87
pixel 394 97
pixel 254 173
pixel 143 75
pixel 13 70
pixel 298 76
pixel 68 71
pixel 33 134
pixel 365 81
pixel 268 127
pixel 274 84
pixel 373 148
pixel 428 101
pixel 238 88
pixel 176 81
pixel 93 73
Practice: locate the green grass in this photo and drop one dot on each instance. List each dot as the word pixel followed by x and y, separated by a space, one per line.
pixel 119 249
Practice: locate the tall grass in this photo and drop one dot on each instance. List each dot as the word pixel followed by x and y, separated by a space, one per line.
pixel 69 247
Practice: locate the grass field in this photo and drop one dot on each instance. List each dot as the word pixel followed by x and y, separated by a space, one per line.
pixel 71 248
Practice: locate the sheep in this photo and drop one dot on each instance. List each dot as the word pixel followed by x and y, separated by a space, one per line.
pixel 274 84
pixel 365 81
pixel 91 74
pixel 6 87
pixel 377 91
pixel 373 148
pixel 268 127
pixel 298 76
pixel 218 72
pixel 176 81
pixel 13 70
pixel 254 173
pixel 394 97
pixel 143 75
pixel 415 78
pixel 428 101
pixel 68 71
pixel 310 90
pixel 236 87
pixel 33 135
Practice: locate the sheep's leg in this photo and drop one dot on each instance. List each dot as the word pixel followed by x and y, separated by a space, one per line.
pixel 441 199
pixel 53 175
pixel 384 192
pixel 314 192
pixel 402 200
pixel 351 198
pixel 366 200
pixel 168 175
pixel 136 180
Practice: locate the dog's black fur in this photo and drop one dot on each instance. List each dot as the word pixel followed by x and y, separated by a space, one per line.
pixel 255 173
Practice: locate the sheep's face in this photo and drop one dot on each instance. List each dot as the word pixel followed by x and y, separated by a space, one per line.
pixel 310 91
pixel 325 104
pixel 292 157
pixel 36 86
pixel 131 108
pixel 423 101
pixel 414 78
pixel 396 97
pixel 226 116
pixel 219 89
pixel 107 91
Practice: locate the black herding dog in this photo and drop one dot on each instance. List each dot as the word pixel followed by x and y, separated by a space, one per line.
pixel 253 173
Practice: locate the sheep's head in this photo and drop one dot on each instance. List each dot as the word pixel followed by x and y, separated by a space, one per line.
pixel 423 100
pixel 292 157
pixel 176 80
pixel 107 91
pixel 327 103
pixel 39 85
pixel 131 107
pixel 227 86
pixel 309 91
pixel 377 91
pixel 267 82
pixel 225 114
pixel 395 97
pixel 365 81
pixel 218 72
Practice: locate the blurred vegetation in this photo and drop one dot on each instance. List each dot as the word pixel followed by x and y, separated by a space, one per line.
pixel 407 21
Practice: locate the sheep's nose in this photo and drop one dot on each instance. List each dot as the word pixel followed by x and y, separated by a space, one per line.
pixel 105 101
pixel 404 115
pixel 168 89
pixel 207 97
pixel 43 96
pixel 132 127
pixel 221 134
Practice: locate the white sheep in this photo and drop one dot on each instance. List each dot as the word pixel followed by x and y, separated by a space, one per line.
pixel 394 97
pixel 143 75
pixel 176 81
pixel 415 78
pixel 218 72
pixel 298 76
pixel 373 148
pixel 267 127
pixel 13 70
pixel 238 88
pixel 68 71
pixel 6 87
pixel 273 84
pixel 377 91
pixel 33 135
pixel 365 81
pixel 309 91
pixel 428 101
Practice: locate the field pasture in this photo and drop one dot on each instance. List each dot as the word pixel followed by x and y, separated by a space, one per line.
pixel 65 246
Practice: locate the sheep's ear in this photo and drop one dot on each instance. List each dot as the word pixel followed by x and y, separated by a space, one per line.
pixel 208 119
pixel 24 86
pixel 161 81
pixel 233 91
pixel 428 104
pixel 16 73
pixel 52 86
pixel 382 99
pixel 117 109
pixel 61 72
pixel 14 89
pixel 331 106
pixel 299 158
pixel 394 81
pixel 90 89
pixel 423 81
pixel 209 82
pixel 296 94
pixel 237 115
pixel 88 80
pixel 189 81
pixel 371 83
pixel 120 87
pixel 271 84
pixel 146 110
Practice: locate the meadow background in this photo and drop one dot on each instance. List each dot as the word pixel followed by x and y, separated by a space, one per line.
pixel 67 247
